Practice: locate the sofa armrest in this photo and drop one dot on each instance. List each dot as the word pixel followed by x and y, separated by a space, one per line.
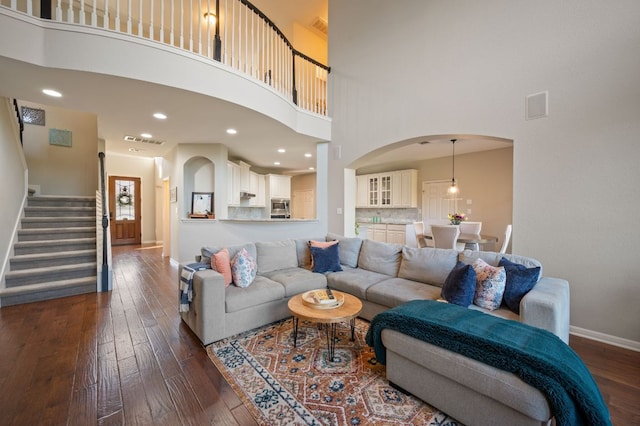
pixel 206 315
pixel 547 306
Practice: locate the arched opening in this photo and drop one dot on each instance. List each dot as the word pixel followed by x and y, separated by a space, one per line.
pixel 199 177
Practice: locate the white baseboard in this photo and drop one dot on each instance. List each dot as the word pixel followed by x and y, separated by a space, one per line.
pixel 173 262
pixel 605 338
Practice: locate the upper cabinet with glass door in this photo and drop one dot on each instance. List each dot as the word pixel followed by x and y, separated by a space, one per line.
pixel 396 189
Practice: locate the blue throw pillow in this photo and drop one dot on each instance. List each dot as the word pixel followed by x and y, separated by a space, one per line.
pixel 326 259
pixel 520 280
pixel 460 286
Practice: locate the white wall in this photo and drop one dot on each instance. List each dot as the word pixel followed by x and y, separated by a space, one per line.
pixel 14 189
pixel 76 167
pixel 420 67
pixel 143 168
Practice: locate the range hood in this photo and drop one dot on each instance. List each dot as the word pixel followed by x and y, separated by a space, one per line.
pixel 246 195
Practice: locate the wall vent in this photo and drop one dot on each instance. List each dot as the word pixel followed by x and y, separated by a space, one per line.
pixel 537 106
pixel 321 25
pixel 142 140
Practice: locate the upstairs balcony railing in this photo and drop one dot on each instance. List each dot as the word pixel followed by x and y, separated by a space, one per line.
pixel 232 32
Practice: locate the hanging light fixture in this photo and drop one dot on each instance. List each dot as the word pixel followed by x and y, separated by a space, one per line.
pixel 453 189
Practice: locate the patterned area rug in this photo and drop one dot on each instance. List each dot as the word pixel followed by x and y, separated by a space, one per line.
pixel 283 385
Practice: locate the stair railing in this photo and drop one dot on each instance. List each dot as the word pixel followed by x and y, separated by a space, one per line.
pixel 232 32
pixel 105 250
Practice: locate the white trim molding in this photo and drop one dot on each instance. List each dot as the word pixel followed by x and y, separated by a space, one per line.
pixel 605 338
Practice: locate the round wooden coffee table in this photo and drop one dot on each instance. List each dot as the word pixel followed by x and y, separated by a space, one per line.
pixel 348 311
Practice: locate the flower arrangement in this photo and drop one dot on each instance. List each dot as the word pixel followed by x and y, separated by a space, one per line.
pixel 456 218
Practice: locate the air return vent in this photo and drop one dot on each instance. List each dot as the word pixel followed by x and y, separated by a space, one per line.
pixel 537 106
pixel 321 25
pixel 142 140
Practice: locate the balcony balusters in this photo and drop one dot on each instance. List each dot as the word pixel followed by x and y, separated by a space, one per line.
pixel 251 43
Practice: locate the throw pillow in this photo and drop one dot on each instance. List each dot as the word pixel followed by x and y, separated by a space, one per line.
pixel 220 262
pixel 520 280
pixel 243 269
pixel 490 284
pixel 326 259
pixel 320 244
pixel 460 285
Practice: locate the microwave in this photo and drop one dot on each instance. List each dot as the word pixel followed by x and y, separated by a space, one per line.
pixel 280 208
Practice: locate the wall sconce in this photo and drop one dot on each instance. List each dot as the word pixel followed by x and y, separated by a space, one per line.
pixel 211 17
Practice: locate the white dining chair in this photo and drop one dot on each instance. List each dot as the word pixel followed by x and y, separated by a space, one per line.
pixel 469 228
pixel 445 236
pixel 507 236
pixel 418 227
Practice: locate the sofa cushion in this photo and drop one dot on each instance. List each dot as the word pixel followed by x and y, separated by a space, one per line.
pixel 297 280
pixel 396 291
pixel 243 269
pixel 520 280
pixel 349 249
pixel 490 284
pixel 427 265
pixel 493 259
pixel 460 286
pixel 262 290
pixel 326 259
pixel 208 251
pixel 383 258
pixel 276 255
pixel 354 281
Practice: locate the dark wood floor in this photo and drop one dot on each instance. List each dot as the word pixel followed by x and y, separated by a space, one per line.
pixel 125 357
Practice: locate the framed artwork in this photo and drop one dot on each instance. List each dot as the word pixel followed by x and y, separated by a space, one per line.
pixel 201 204
pixel 173 194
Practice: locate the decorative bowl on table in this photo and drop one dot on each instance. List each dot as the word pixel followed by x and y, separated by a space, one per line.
pixel 319 299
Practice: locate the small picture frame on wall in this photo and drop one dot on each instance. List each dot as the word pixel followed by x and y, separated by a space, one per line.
pixel 202 205
pixel 173 194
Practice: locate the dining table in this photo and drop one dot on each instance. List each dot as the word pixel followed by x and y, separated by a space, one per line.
pixel 471 238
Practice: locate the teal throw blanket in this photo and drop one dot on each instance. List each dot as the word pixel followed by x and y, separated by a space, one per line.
pixel 535 355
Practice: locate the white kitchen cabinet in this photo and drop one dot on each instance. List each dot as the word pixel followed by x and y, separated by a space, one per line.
pixel 390 189
pixel 257 187
pixel 396 234
pixel 362 183
pixel 279 186
pixel 378 232
pixel 244 184
pixel 233 184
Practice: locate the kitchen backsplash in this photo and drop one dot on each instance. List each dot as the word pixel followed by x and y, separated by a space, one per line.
pixel 247 213
pixel 387 215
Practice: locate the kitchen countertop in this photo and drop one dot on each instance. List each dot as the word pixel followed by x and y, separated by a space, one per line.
pixel 268 220
pixel 390 222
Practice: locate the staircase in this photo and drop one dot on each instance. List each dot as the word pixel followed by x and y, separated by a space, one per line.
pixel 55 255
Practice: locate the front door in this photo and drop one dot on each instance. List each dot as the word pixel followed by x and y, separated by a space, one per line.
pixel 124 206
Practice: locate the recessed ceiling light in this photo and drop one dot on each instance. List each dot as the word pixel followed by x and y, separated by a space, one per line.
pixel 134 150
pixel 146 135
pixel 232 131
pixel 282 150
pixel 277 163
pixel 53 93
pixel 312 168
pixel 308 155
pixel 160 116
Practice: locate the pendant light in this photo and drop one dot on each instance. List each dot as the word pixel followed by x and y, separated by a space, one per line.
pixel 453 189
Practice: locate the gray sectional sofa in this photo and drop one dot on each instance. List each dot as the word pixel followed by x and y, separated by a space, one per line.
pixel 383 276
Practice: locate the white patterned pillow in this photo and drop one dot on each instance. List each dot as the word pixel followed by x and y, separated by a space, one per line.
pixel 490 284
pixel 243 268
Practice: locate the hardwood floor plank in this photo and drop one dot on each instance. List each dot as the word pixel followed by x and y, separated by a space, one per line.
pixel 83 406
pixel 189 410
pixel 109 397
pixel 136 410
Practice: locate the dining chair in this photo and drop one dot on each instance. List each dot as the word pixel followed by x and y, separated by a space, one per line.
pixel 469 228
pixel 419 229
pixel 507 236
pixel 445 236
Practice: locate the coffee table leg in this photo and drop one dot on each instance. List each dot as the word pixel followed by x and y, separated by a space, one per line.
pixel 295 331
pixel 331 341
pixel 352 323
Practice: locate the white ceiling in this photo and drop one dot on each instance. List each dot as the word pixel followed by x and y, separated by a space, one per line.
pixel 125 107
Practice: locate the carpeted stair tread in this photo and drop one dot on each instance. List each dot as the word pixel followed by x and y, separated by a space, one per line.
pixel 56 258
pixel 49 273
pixel 38 256
pixel 56 211
pixel 53 243
pixel 45 291
pixel 49 269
